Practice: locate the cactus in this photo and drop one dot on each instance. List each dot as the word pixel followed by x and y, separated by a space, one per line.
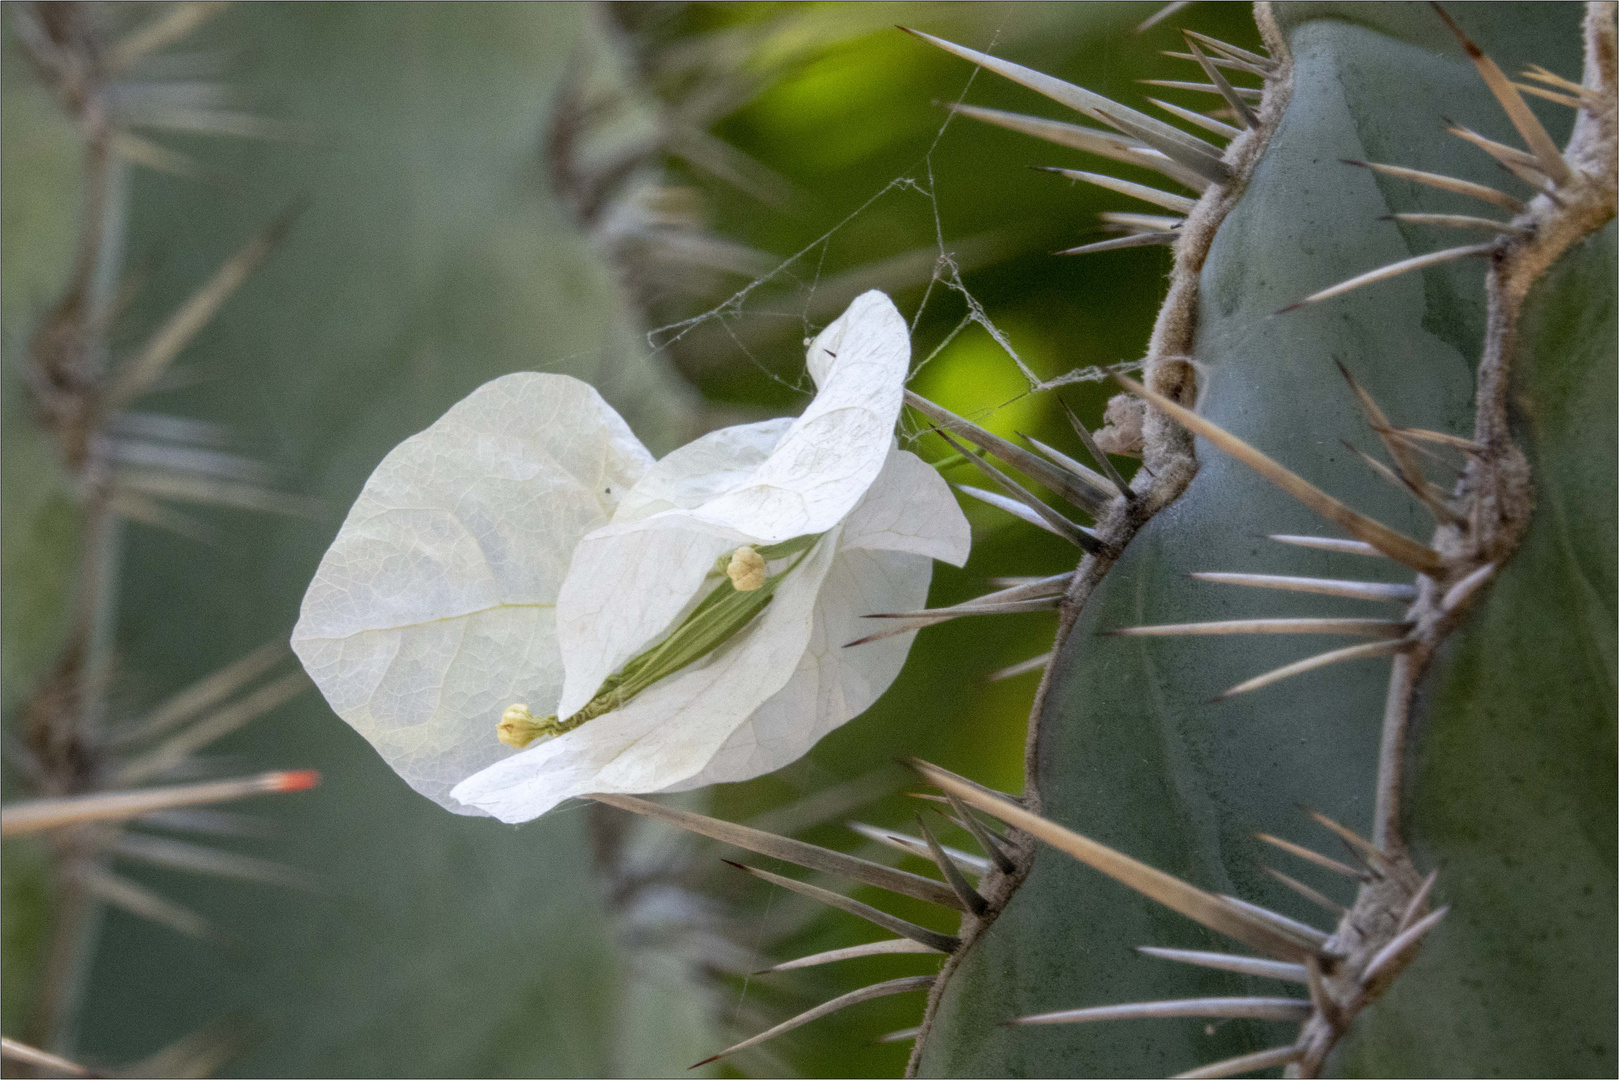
pixel 1460 746
pixel 1495 775
pixel 1460 742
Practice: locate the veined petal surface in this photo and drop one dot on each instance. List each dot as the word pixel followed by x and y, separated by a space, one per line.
pixel 781 685
pixel 629 581
pixel 831 684
pixel 884 562
pixel 671 731
pixel 434 608
pixel 910 507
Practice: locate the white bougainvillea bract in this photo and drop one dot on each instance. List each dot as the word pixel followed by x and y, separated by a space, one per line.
pixel 525 547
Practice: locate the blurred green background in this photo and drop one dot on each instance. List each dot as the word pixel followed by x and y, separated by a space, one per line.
pixel 491 188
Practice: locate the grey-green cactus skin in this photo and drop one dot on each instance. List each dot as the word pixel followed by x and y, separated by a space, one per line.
pixel 1511 778
pixel 1516 810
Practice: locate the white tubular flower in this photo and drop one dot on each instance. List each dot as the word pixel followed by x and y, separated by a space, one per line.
pixel 704 610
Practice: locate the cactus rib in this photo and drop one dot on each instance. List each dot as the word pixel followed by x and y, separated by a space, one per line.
pixel 1346 971
pixel 1167 449
pixel 1479 527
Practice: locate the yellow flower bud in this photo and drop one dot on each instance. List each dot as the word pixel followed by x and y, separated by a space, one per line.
pixel 518 727
pixel 746 569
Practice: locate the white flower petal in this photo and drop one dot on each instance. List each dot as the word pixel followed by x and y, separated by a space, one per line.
pixel 910 507
pixel 433 609
pixel 702 469
pixel 628 583
pixel 832 684
pixel 832 453
pixel 671 731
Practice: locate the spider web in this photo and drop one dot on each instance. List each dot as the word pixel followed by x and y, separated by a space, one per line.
pixel 944 283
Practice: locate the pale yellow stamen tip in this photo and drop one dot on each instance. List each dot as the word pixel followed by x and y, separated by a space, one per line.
pixel 518 727
pixel 746 569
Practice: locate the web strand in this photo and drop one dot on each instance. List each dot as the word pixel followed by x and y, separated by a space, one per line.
pixel 919 180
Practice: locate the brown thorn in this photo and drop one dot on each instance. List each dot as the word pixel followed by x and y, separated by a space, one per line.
pixel 1122 243
pixel 809 856
pixel 1218 961
pixel 1403 945
pixel 1440 437
pixel 1317 937
pixel 1079 489
pixel 1251 1008
pixel 1567 100
pixel 1199 155
pixel 1239 106
pixel 1309 855
pixel 1323 1003
pixel 1090 477
pixel 1517 110
pixel 1422 494
pixel 1321 900
pixel 945 943
pixel 1370 650
pixel 1244 1063
pixel 1461 592
pixel 1103 462
pixel 1180 204
pixel 1328 543
pixel 137 374
pixel 985 839
pixel 887 947
pixel 1381 628
pixel 854 997
pixel 1419 899
pixel 1459 221
pixel 1482 192
pixel 1350 837
pixel 1388 592
pixel 1206 908
pixel 1264 63
pixel 22 1053
pixel 1378 420
pixel 952 873
pixel 1403 549
pixel 1192 116
pixel 1394 269
pixel 1070 531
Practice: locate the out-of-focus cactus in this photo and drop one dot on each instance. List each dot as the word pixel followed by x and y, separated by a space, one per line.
pixel 429 257
pixel 1408 830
